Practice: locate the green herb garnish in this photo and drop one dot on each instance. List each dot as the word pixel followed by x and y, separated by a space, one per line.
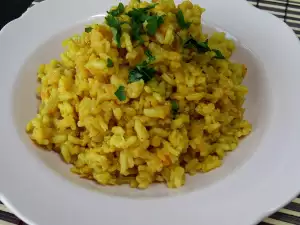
pixel 136 31
pixel 110 63
pixel 202 47
pixel 118 11
pixel 115 26
pixel 88 29
pixel 120 93
pixel 174 107
pixel 141 72
pixel 181 21
pixel 153 23
pixel 150 6
pixel 138 17
pixel 151 58
pixel 219 54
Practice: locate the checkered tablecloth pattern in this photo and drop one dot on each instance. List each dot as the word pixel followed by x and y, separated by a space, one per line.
pixel 288 11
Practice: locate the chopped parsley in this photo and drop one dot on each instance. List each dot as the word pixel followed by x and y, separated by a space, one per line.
pixel 202 47
pixel 136 31
pixel 110 63
pixel 174 107
pixel 150 6
pixel 115 26
pixel 153 23
pixel 181 21
pixel 88 29
pixel 118 11
pixel 141 72
pixel 120 93
pixel 219 54
pixel 138 17
pixel 148 53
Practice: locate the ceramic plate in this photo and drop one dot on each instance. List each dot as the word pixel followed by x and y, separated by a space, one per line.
pixel 255 180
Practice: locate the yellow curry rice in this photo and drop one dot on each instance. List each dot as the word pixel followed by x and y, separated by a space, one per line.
pixel 144 98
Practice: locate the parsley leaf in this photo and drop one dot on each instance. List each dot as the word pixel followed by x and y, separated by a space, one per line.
pixel 112 21
pixel 148 53
pixel 153 23
pixel 120 93
pixel 138 16
pixel 110 63
pixel 119 10
pixel 115 26
pixel 141 72
pixel 174 107
pixel 117 36
pixel 88 29
pixel 150 6
pixel 136 31
pixel 219 54
pixel 201 47
pixel 140 13
pixel 181 21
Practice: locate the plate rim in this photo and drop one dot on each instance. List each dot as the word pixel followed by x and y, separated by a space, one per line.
pixel 42 7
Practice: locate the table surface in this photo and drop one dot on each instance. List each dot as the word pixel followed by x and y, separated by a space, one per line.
pixel 289 12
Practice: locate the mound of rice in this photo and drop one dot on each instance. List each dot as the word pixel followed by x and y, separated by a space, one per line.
pixel 143 98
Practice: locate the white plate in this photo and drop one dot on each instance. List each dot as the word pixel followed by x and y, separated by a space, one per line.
pixel 255 180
